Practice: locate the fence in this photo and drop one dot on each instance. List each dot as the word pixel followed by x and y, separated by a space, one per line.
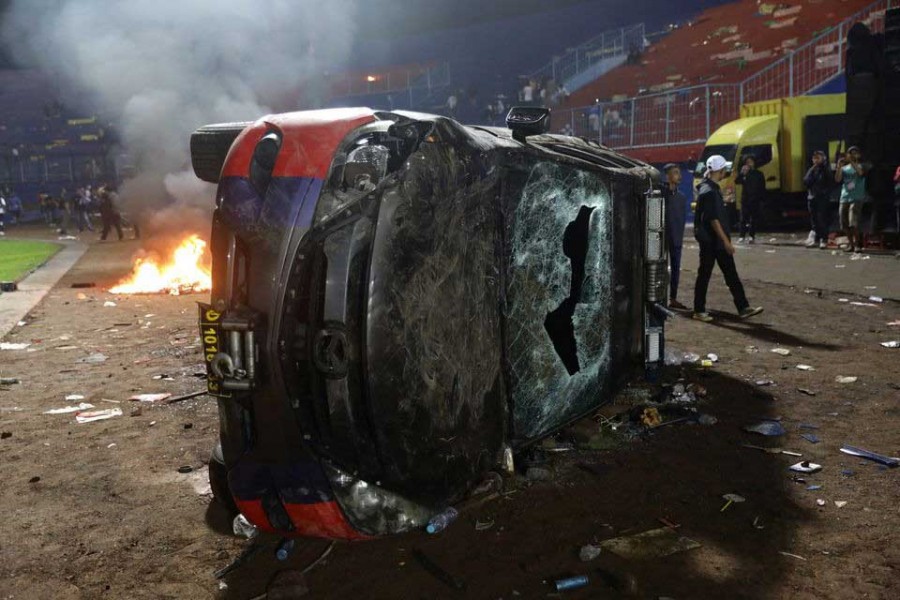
pixel 616 42
pixel 690 115
pixel 399 80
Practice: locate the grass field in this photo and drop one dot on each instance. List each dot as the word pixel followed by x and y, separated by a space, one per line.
pixel 19 257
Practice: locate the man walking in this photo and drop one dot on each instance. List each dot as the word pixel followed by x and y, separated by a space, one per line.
pixel 818 182
pixel 852 176
pixel 676 205
pixel 753 191
pixel 711 229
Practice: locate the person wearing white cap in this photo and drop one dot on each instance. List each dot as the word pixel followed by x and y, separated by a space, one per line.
pixel 711 228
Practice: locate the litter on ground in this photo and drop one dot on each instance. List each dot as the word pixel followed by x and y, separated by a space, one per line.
pixel 98 415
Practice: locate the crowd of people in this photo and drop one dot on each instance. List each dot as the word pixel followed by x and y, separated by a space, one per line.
pixel 847 182
pixel 65 212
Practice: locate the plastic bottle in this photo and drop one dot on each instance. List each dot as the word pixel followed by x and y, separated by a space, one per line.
pixel 570 583
pixel 284 549
pixel 440 521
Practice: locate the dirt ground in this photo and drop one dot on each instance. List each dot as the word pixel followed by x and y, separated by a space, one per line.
pixel 111 516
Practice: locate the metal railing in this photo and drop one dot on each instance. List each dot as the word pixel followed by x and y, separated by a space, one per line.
pixel 690 115
pixel 399 80
pixel 615 42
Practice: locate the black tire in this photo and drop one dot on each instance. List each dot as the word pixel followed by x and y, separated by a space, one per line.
pixel 218 480
pixel 209 147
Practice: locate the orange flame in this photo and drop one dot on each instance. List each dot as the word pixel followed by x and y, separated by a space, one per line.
pixel 184 273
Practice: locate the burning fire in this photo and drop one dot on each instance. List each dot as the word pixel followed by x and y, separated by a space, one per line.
pixel 183 274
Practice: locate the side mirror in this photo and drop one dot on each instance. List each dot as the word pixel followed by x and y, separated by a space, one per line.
pixel 527 120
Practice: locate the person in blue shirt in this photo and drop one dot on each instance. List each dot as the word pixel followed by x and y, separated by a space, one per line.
pixel 676 209
pixel 851 174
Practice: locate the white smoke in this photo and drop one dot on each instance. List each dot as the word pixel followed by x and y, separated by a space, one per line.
pixel 159 69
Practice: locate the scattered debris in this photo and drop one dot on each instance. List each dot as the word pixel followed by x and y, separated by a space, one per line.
pixel 891 344
pixel 108 304
pixel 781 351
pixel 69 409
pixel 13 345
pixel 655 543
pixel 765 382
pixel 9 380
pixel 136 411
pixel 244 528
pixel 705 419
pixel 74 397
pixel 848 472
pixel 772 450
pixel 34 479
pixel 650 418
pixel 98 415
pixel 731 499
pixel 757 524
pixel 869 304
pixel 713 357
pixel 840 503
pixel 797 556
pixel 570 583
pixel 483 525
pixel 845 379
pixel 867 454
pixel 811 438
pixel 589 552
pixel 813 488
pixel 806 391
pixel 820 501
pixel 876 299
pixel 185 469
pixel 83 285
pixel 149 397
pixel 806 368
pixel 5 434
pixel 163 377
pixel 185 397
pixel 440 521
pixel 806 467
pixel 751 350
pixel 93 359
pixel 438 572
pixel 767 428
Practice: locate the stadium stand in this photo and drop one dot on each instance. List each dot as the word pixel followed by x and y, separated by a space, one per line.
pixel 664 107
pixel 46 146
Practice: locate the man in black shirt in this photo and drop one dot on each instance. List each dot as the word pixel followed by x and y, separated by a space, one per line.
pixel 818 182
pixel 754 189
pixel 711 229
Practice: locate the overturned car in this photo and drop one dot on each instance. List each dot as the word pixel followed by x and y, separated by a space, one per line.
pixel 400 302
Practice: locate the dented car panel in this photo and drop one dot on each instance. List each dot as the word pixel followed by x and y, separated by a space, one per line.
pixel 418 297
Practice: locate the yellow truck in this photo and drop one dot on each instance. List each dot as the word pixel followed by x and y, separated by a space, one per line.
pixel 781 135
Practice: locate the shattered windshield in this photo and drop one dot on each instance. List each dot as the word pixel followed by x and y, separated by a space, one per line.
pixel 559 296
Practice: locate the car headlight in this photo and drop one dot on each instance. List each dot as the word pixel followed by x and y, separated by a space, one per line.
pixel 372 509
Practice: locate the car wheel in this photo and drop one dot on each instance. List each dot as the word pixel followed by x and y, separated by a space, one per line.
pixel 209 147
pixel 218 480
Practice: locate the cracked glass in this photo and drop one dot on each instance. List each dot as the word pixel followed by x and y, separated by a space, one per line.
pixel 559 300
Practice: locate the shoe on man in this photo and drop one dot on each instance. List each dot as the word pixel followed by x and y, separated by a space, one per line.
pixel 741 240
pixel 702 317
pixel 811 238
pixel 752 240
pixel 676 305
pixel 822 245
pixel 750 312
pixel 810 243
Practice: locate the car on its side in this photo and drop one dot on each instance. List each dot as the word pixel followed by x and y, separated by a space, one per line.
pixel 401 302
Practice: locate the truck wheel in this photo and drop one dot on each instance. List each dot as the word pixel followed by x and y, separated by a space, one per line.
pixel 209 147
pixel 218 480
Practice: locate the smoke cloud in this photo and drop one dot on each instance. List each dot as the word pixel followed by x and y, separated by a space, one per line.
pixel 158 70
